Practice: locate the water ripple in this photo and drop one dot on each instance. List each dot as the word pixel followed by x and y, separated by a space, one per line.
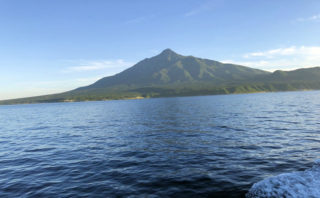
pixel 210 146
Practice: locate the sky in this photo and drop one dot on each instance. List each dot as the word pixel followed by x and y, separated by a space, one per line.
pixel 51 46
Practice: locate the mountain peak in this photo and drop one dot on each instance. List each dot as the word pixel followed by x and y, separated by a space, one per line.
pixel 167 52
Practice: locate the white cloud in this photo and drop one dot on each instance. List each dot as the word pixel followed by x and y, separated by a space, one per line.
pixel 307 51
pixel 311 18
pixel 72 82
pixel 82 73
pixel 270 65
pixel 273 52
pixel 98 65
pixel 281 58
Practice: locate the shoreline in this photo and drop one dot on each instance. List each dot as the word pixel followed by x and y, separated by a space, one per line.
pixel 2 103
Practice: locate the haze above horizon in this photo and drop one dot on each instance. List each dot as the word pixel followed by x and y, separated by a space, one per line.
pixel 55 46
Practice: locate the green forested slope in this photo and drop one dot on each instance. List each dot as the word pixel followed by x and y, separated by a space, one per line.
pixel 171 74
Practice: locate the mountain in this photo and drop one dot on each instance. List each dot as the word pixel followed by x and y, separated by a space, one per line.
pixel 171 74
pixel 170 67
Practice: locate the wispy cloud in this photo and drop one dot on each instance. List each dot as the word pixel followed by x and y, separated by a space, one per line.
pixel 311 18
pixel 98 65
pixel 273 52
pixel 136 20
pixel 139 19
pixel 289 51
pixel 59 83
pixel 201 8
pixel 281 58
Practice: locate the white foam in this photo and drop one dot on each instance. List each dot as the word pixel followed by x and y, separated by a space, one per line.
pixel 297 184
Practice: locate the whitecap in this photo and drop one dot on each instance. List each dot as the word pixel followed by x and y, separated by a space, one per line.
pixel 296 184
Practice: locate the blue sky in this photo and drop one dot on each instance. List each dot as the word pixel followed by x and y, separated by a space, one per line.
pixel 51 46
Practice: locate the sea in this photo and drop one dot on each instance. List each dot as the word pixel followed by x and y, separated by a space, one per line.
pixel 241 145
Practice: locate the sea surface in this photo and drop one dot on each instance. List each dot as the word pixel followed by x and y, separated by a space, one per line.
pixel 204 146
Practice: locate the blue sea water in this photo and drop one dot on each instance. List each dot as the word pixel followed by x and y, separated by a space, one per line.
pixel 204 146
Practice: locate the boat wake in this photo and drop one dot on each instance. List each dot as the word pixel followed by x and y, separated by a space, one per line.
pixel 297 184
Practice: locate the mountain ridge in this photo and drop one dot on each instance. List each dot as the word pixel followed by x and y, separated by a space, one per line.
pixel 171 74
pixel 169 67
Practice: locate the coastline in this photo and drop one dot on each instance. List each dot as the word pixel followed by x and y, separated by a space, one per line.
pixel 12 101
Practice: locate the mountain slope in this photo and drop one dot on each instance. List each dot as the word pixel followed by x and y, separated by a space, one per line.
pixel 170 67
pixel 171 74
pixel 306 74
